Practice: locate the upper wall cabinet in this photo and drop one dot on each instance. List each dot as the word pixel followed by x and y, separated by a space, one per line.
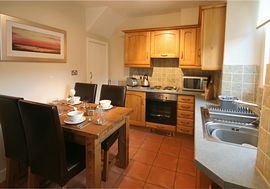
pixel 212 37
pixel 137 49
pixel 165 44
pixel 188 48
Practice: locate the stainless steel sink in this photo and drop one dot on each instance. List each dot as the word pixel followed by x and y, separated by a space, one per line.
pixel 230 128
pixel 232 133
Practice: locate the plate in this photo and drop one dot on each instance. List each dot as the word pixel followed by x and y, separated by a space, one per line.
pixel 68 121
pixel 108 108
pixel 75 103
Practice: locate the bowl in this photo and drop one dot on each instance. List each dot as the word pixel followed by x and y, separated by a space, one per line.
pixel 75 115
pixel 105 103
pixel 74 99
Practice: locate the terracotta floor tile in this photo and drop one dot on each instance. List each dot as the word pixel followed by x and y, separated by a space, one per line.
pixel 136 143
pixel 154 137
pixel 132 152
pixel 169 150
pixel 151 186
pixel 112 179
pixel 127 182
pixel 184 181
pixel 188 141
pixel 186 166
pixel 151 146
pixel 161 177
pixel 138 170
pixel 172 141
pixel 186 153
pixel 166 161
pixel 145 156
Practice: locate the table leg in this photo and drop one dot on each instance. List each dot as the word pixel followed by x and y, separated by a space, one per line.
pixel 123 145
pixel 93 163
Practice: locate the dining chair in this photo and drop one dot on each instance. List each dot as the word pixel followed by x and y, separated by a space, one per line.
pixel 13 137
pixel 86 91
pixel 117 95
pixel 50 157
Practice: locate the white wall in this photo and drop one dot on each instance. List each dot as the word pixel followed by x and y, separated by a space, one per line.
pixel 188 16
pixel 242 40
pixel 44 81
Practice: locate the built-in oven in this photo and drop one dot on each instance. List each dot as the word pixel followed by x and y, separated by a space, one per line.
pixel 161 108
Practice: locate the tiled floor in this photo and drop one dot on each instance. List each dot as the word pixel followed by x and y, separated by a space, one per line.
pixel 156 161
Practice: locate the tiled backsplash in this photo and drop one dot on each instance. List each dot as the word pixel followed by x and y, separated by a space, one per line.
pixel 263 150
pixel 240 81
pixel 164 72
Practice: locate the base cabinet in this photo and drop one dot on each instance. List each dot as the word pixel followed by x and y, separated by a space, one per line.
pixel 185 114
pixel 136 101
pixel 202 181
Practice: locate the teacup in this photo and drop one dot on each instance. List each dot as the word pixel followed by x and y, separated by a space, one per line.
pixel 75 115
pixel 74 99
pixel 105 103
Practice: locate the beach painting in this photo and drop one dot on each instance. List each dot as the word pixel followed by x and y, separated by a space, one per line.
pixel 28 41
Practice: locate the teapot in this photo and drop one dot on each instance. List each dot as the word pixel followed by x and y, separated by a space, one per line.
pixel 145 82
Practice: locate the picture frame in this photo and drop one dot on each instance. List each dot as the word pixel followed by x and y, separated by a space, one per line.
pixel 26 41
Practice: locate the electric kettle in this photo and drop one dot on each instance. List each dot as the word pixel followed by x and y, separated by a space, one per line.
pixel 145 82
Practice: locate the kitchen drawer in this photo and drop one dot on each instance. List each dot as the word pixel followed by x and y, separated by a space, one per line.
pixel 185 106
pixel 185 122
pixel 185 130
pixel 185 114
pixel 186 99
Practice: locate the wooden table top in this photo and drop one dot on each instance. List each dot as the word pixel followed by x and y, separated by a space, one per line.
pixel 112 117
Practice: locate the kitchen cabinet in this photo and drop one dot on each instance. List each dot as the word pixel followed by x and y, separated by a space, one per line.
pixel 185 114
pixel 165 44
pixel 137 49
pixel 188 48
pixel 136 101
pixel 212 37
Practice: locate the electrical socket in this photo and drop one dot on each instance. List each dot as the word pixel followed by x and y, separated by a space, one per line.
pixel 74 72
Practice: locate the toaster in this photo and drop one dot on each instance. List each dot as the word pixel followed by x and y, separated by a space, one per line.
pixel 132 81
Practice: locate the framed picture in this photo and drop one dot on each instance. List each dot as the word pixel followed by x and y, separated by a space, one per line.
pixel 25 41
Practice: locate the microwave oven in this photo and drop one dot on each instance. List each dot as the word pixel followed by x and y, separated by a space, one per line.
pixel 194 83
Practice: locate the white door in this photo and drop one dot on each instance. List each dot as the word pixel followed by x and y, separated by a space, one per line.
pixel 97 63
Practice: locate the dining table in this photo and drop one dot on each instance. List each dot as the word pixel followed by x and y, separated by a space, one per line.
pixel 91 135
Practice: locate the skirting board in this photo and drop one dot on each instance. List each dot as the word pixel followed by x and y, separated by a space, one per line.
pixel 2 175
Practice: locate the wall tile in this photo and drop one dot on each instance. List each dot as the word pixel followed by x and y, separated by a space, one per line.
pixel 227 69
pixel 237 69
pixel 266 96
pixel 249 88
pixel 227 77
pixel 226 86
pixel 262 139
pixel 237 77
pixel 249 78
pixel 250 69
pixel 237 93
pixel 265 118
pixel 268 145
pixel 267 78
pixel 260 160
pixel 267 169
pixel 236 86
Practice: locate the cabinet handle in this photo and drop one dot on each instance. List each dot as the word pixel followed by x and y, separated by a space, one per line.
pixel 199 52
pixel 163 55
pixel 182 55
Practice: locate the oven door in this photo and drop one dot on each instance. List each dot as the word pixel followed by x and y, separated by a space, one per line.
pixel 159 111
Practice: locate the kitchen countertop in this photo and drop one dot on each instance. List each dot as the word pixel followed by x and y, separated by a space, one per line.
pixel 230 166
pixel 147 89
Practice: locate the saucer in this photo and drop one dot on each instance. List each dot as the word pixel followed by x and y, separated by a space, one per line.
pixel 74 103
pixel 108 108
pixel 68 121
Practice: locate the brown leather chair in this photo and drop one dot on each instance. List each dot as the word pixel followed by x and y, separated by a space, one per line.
pixel 13 135
pixel 86 91
pixel 117 95
pixel 50 157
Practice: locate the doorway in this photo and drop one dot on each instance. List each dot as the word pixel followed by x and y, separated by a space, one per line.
pixel 97 63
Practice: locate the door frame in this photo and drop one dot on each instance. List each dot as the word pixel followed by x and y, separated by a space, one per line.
pixel 89 39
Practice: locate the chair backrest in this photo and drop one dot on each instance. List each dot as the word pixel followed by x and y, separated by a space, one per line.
pixel 45 140
pixel 12 128
pixel 115 93
pixel 86 91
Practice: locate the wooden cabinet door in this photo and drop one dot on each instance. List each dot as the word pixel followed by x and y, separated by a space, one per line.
pixel 136 101
pixel 212 36
pixel 137 49
pixel 188 48
pixel 165 44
